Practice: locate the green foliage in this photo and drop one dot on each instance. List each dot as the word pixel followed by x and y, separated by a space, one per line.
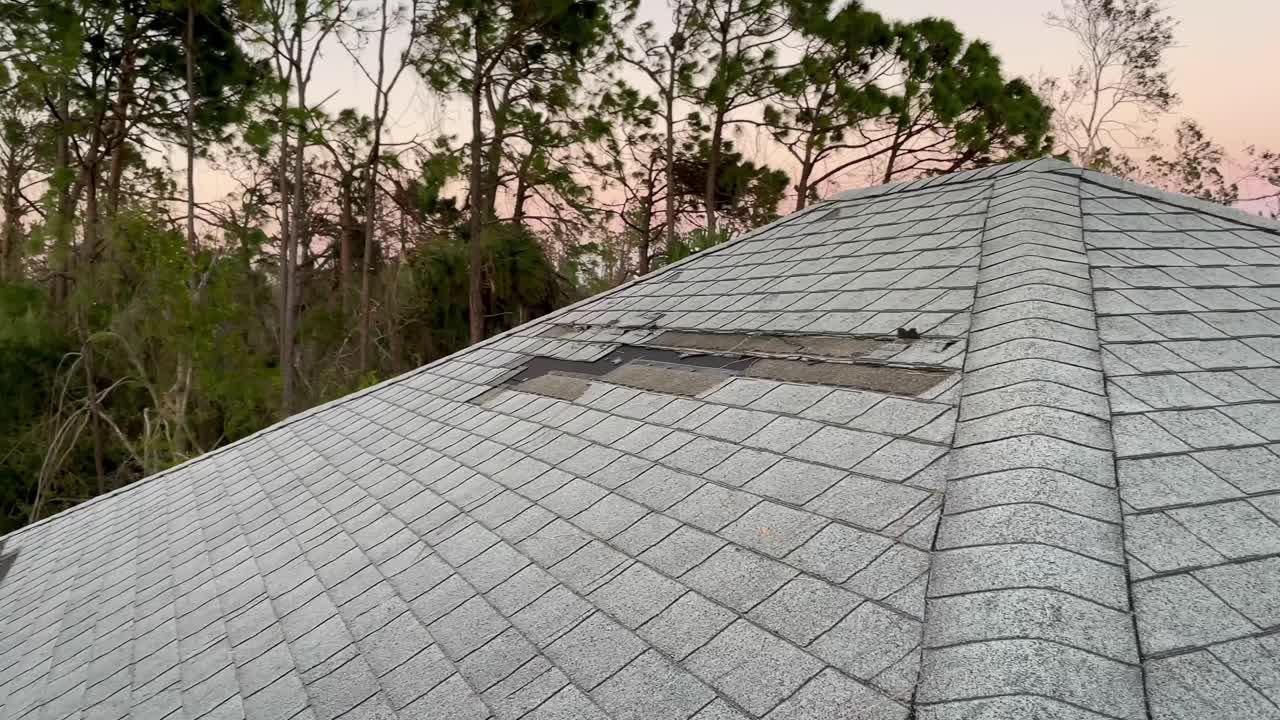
pixel 694 242
pixel 956 109
pixel 1195 168
pixel 747 193
pixel 519 281
pixel 31 352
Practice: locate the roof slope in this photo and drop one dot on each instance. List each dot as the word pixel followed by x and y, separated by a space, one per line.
pixel 716 492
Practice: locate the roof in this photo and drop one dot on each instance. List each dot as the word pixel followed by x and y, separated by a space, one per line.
pixel 998 444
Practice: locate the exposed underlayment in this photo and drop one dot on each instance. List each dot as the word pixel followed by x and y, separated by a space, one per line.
pixel 730 490
pixel 896 381
pixel 810 346
pixel 706 360
pixel 671 378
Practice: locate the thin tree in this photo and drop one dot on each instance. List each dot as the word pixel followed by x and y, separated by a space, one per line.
pixel 1121 83
pixel 382 89
pixel 741 40
pixel 295 33
pixel 821 104
pixel 1196 167
pixel 498 55
pixel 670 64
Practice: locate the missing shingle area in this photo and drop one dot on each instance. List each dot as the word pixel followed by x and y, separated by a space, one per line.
pixel 877 378
pixel 670 378
pixel 557 385
pixel 810 346
pixel 690 364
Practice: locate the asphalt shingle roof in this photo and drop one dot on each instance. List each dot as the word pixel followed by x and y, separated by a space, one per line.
pixel 1077 517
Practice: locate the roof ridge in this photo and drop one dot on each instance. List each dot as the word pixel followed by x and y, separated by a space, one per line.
pixel 1027 597
pixel 987 172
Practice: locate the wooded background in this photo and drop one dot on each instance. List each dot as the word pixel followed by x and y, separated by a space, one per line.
pixel 142 323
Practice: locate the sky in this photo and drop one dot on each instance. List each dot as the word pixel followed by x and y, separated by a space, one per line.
pixel 1224 66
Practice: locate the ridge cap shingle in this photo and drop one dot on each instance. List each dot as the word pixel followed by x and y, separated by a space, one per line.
pixel 1028 597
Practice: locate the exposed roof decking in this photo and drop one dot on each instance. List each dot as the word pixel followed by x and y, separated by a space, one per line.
pixel 450 545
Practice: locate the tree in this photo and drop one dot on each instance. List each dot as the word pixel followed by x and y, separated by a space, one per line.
pixel 630 161
pixel 1121 82
pixel 1195 168
pixel 112 76
pixel 382 89
pixel 294 32
pixel 670 65
pixel 819 105
pixel 746 193
pixel 1263 170
pixel 740 39
pixel 18 162
pixel 954 109
pixel 502 55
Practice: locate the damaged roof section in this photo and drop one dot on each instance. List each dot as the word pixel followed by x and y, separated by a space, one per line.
pixel 713 493
pixel 690 364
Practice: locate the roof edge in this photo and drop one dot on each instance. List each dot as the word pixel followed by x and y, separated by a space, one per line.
pixel 1186 202
pixel 403 377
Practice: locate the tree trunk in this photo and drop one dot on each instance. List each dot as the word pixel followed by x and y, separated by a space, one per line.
pixel 393 304
pixel 371 196
pixel 89 250
pixel 802 185
pixel 807 164
pixel 522 189
pixel 371 212
pixel 893 153
pixel 10 234
pixel 191 125
pixel 475 287
pixel 713 172
pixel 124 100
pixel 286 261
pixel 644 234
pixel 492 169
pixel 61 259
pixel 671 164
pixel 299 235
pixel 346 243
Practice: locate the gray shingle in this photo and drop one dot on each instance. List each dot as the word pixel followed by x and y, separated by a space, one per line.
pixel 773 529
pixel 752 667
pixel 636 595
pixel 793 481
pixel 737 577
pixel 1178 612
pixel 406 551
pixel 685 625
pixel 832 695
pixel 681 550
pixel 1253 588
pixel 594 649
pixel 651 688
pixel 1199 685
pixel 804 609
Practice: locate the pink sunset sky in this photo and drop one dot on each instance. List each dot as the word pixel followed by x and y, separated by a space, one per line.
pixel 1224 67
